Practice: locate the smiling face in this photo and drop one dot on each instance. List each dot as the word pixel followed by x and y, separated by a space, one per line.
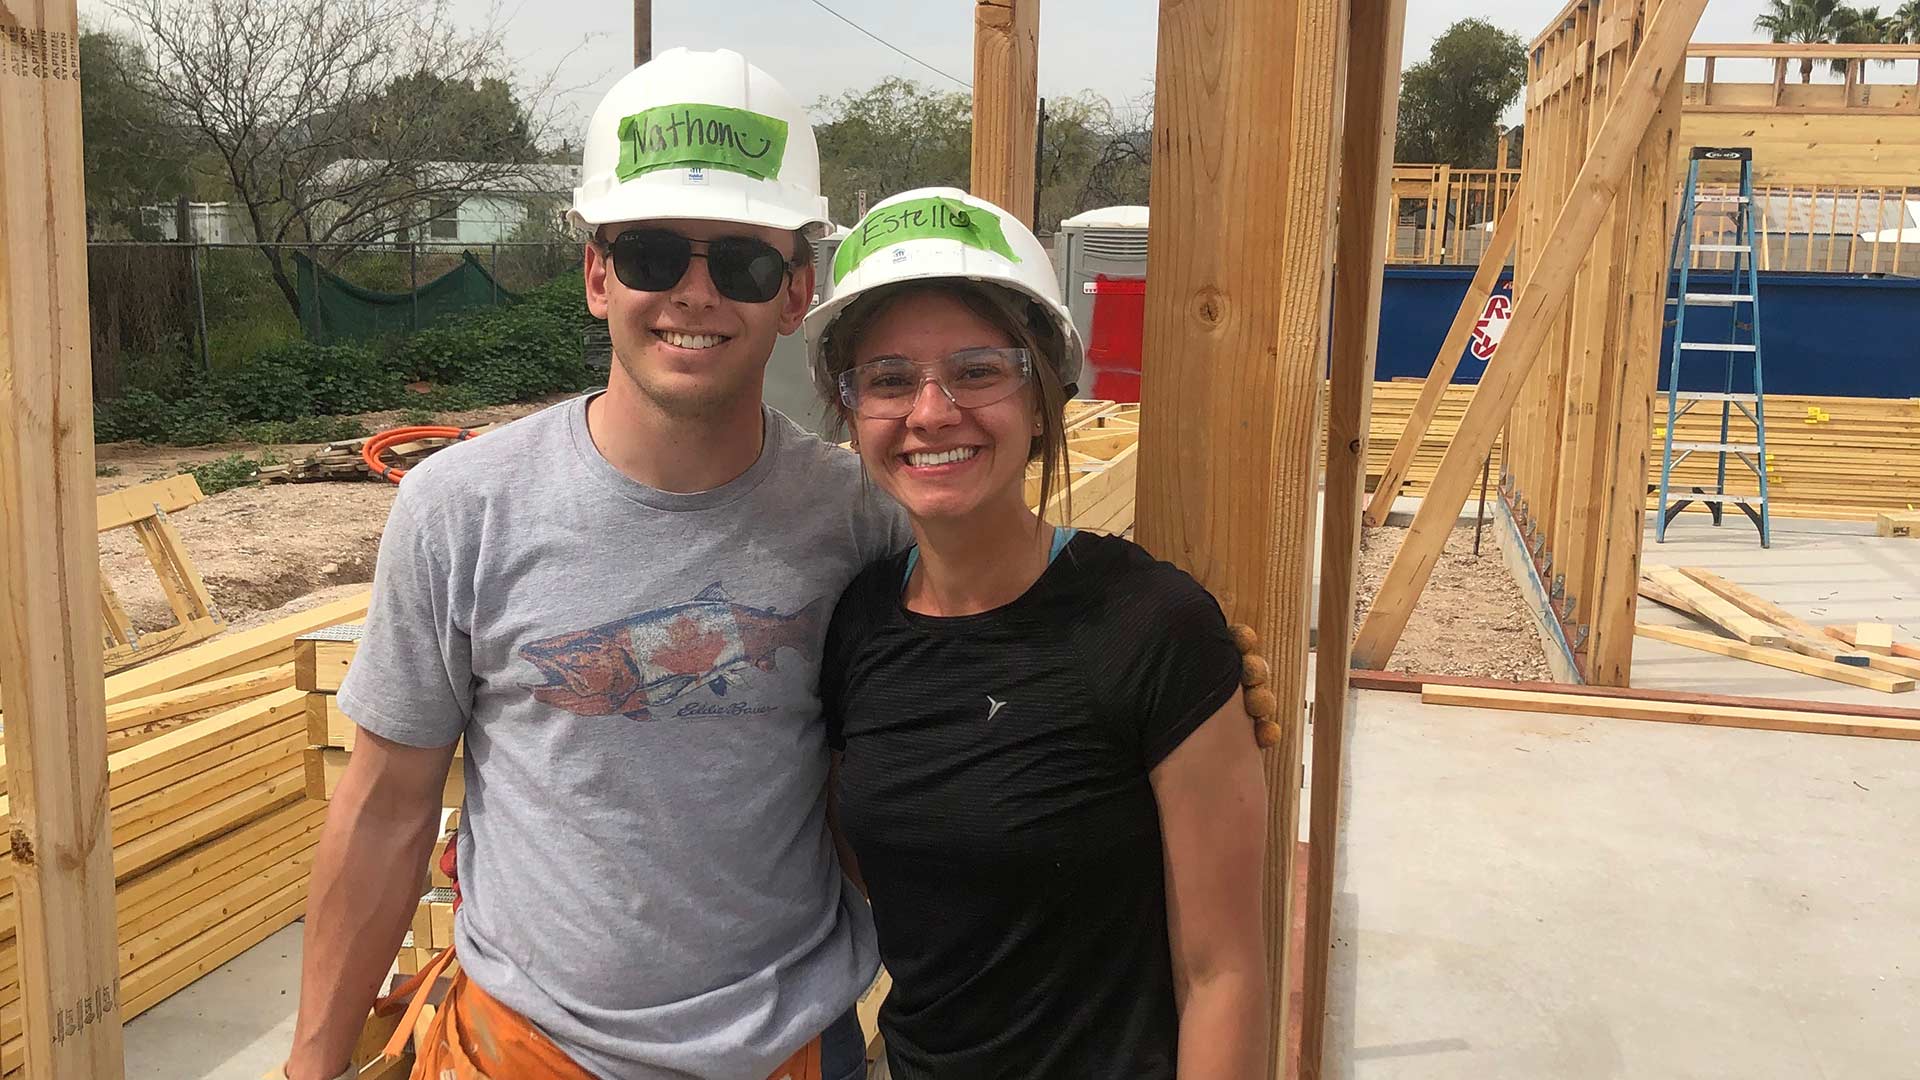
pixel 689 350
pixel 942 461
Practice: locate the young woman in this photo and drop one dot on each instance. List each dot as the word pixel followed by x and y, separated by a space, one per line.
pixel 1046 775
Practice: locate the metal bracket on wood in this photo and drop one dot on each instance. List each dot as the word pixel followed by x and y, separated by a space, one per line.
pixel 1572 602
pixel 1579 638
pixel 1559 588
pixel 1546 563
pixel 1539 544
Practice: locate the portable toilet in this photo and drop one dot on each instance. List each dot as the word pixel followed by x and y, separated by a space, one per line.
pixel 1103 275
pixel 824 249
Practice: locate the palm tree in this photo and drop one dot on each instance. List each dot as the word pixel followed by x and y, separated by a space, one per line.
pixel 1821 22
pixel 1905 26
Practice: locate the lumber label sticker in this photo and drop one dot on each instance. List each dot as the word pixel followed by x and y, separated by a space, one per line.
pixel 643 666
pixel 932 218
pixel 701 137
pixel 39 54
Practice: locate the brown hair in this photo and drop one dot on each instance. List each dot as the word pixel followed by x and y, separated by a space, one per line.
pixel 1020 318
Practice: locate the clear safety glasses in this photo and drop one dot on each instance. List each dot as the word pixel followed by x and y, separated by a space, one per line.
pixel 886 389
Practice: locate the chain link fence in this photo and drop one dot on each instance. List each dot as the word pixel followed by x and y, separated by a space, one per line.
pixel 162 312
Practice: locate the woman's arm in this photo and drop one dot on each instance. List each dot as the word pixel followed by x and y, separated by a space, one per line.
pixel 1213 820
pixel 849 864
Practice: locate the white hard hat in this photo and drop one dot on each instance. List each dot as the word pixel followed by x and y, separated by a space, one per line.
pixel 930 234
pixel 702 135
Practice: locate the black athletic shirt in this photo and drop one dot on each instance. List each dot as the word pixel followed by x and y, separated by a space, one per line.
pixel 994 788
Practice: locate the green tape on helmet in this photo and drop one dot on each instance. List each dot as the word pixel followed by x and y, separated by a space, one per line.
pixel 933 218
pixel 694 136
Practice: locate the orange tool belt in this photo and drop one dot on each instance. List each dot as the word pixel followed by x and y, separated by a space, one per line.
pixel 473 1037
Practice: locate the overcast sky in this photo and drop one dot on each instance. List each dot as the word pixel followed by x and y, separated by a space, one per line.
pixel 1103 45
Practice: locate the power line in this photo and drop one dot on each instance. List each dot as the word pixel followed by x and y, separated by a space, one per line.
pixel 889 44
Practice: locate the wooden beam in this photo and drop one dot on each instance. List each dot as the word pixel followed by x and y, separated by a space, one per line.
pixel 50 637
pixel 1777 658
pixel 1371 110
pixel 136 503
pixel 1671 712
pixel 1400 682
pixel 1540 300
pixel 1614 606
pixel 1802 637
pixel 1846 634
pixel 1006 100
pixel 1715 608
pixel 231 651
pixel 1493 263
pixel 1245 125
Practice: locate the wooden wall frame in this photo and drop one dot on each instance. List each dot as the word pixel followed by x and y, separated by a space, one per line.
pixel 1602 102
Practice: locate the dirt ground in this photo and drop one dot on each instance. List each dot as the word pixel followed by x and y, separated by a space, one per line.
pixel 1471 620
pixel 265 550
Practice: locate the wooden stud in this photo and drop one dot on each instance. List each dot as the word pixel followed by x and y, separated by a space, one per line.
pixel 1006 96
pixel 1540 300
pixel 1715 608
pixel 1370 115
pixel 50 639
pixel 232 651
pixel 1245 127
pixel 1445 363
pixel 1612 608
pixel 1670 712
pixel 1802 636
pixel 321 665
pixel 1777 658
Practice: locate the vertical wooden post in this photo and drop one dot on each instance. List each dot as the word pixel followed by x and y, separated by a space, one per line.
pixel 50 637
pixel 1372 111
pixel 1240 269
pixel 1541 298
pixel 1641 317
pixel 642 31
pixel 1006 93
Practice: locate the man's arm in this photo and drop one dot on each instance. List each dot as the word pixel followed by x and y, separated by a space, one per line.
pixel 1213 822
pixel 367 871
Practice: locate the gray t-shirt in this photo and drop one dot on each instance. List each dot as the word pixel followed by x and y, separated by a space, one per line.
pixel 644 863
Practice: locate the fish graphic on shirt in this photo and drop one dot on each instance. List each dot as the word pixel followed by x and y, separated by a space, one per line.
pixel 633 666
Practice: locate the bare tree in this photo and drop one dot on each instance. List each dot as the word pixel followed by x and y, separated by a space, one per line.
pixel 332 118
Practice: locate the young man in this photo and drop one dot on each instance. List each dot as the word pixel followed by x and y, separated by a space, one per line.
pixel 619 604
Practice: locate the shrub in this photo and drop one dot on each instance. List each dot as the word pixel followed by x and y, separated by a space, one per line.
pixel 517 353
pixel 305 429
pixel 300 379
pixel 224 474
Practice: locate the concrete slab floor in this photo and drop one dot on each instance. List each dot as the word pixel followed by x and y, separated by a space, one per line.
pixel 1526 896
pixel 1823 571
pixel 235 1023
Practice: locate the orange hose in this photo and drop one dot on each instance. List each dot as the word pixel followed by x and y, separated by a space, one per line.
pixel 379 444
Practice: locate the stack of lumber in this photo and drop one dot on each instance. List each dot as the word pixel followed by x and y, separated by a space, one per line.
pixel 1103 462
pixel 1904 524
pixel 342 461
pixel 212 833
pixel 1833 458
pixel 320 661
pixel 1753 628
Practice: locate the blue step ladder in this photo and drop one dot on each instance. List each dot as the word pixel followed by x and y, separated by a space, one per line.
pixel 1741 348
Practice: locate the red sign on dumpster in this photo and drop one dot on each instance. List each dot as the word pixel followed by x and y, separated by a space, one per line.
pixel 1492 325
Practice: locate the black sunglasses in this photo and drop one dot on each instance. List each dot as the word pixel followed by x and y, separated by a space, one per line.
pixel 743 269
